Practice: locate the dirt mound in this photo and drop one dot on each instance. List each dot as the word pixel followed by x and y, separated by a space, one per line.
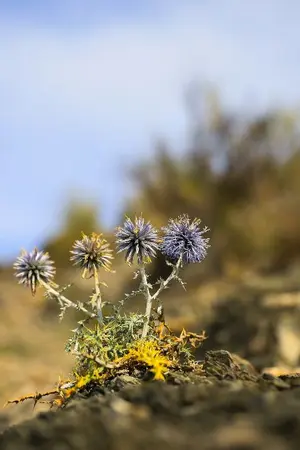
pixel 264 329
pixel 230 407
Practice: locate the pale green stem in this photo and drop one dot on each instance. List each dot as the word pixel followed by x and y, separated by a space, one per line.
pixel 150 298
pixel 165 283
pixel 98 302
pixel 64 301
pixel 148 301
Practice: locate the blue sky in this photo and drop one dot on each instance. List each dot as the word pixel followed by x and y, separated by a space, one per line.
pixel 95 82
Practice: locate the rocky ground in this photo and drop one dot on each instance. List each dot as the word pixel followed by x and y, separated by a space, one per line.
pixel 235 404
pixel 229 407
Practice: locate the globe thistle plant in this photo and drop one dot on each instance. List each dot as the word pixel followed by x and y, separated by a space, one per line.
pixel 34 268
pixel 184 240
pixel 120 343
pixel 138 239
pixel 91 253
pixel 182 243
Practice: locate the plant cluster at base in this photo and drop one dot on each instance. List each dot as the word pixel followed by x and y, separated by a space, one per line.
pixel 119 343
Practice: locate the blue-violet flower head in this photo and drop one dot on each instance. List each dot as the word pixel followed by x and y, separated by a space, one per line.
pixel 32 268
pixel 138 239
pixel 184 238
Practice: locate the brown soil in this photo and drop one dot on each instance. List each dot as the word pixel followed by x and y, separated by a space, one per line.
pixel 230 407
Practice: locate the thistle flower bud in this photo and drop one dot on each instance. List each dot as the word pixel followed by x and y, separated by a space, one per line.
pixel 138 239
pixel 34 267
pixel 91 253
pixel 183 238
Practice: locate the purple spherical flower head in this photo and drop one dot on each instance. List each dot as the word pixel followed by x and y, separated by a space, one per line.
pixel 183 238
pixel 138 239
pixel 33 267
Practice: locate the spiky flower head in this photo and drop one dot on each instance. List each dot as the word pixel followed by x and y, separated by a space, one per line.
pixel 91 253
pixel 32 268
pixel 183 238
pixel 138 239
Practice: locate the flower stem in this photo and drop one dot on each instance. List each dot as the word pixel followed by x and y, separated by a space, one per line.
pixel 148 301
pixel 150 298
pixel 164 283
pixel 98 300
pixel 64 301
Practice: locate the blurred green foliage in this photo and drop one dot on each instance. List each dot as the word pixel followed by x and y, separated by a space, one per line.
pixel 80 217
pixel 241 176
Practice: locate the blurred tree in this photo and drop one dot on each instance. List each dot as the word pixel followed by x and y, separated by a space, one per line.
pixel 241 176
pixel 80 216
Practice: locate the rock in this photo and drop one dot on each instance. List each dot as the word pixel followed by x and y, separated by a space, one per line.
pixel 164 417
